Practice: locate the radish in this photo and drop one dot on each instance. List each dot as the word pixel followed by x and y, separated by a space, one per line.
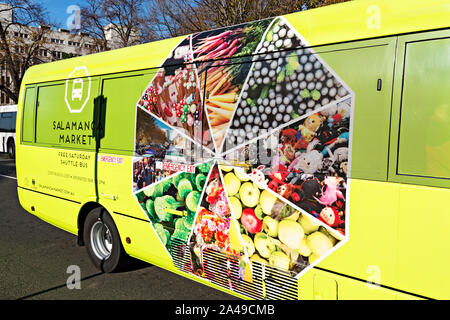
pixel 289 109
pixel 287 43
pixel 332 92
pixel 342 92
pixel 308 67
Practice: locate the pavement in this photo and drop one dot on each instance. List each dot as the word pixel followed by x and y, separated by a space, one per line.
pixel 35 257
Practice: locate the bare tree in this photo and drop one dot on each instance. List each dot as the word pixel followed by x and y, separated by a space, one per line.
pixel 171 18
pixel 23 28
pixel 113 21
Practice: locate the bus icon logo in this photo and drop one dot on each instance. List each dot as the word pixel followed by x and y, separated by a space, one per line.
pixel 78 89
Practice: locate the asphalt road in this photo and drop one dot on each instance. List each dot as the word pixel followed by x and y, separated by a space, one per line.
pixel 35 256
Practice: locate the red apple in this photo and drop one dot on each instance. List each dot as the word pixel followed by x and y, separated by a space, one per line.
pixel 250 221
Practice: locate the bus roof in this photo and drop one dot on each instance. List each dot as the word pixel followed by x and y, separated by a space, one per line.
pixel 348 21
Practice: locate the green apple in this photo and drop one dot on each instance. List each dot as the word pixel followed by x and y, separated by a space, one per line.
pixel 240 173
pixel 267 200
pixel 279 259
pixel 293 216
pixel 226 168
pixel 270 226
pixel 232 183
pixel 236 207
pixel 308 224
pixel 256 257
pixel 249 194
pixel 304 250
pixel 319 243
pixel 248 243
pixel 290 233
pixel 264 244
pixel 291 253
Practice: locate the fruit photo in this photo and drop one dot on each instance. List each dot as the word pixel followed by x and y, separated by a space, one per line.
pixel 174 96
pixel 273 232
pixel 212 227
pixel 220 77
pixel 282 85
pixel 308 163
pixel 171 204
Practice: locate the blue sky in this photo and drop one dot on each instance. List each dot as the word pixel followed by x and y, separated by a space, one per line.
pixel 57 9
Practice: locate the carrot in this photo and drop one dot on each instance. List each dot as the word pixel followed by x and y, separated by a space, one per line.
pixel 229 97
pixel 224 89
pixel 210 87
pixel 221 82
pixel 214 76
pixel 218 121
pixel 223 105
pixel 225 113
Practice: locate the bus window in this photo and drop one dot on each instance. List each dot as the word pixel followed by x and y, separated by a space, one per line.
pixel 28 115
pixel 424 133
pixel 119 103
pixel 58 125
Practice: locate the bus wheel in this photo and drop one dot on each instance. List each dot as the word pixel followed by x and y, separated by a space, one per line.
pixel 103 241
pixel 11 149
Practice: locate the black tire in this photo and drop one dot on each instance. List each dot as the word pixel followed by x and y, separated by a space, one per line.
pixel 11 149
pixel 96 219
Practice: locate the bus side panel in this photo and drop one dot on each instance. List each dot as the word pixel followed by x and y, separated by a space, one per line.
pixel 424 246
pixel 59 178
pixel 144 243
pixel 371 252
pixel 58 212
pixel 322 285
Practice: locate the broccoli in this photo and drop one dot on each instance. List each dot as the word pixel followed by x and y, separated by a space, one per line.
pixel 200 181
pixel 184 188
pixel 192 200
pixel 162 204
pixel 150 210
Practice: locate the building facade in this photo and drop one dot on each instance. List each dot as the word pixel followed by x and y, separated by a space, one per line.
pixel 55 44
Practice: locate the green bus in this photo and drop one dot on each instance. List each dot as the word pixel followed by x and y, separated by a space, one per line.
pixel 294 157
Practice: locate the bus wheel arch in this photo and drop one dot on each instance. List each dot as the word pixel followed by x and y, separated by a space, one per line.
pixel 84 211
pixel 100 235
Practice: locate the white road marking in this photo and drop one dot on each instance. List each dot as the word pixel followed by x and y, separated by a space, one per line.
pixel 1 175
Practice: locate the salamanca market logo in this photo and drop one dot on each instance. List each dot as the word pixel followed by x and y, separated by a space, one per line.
pixel 78 132
pixel 78 89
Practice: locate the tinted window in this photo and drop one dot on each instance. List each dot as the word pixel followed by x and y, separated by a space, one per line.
pixel 424 137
